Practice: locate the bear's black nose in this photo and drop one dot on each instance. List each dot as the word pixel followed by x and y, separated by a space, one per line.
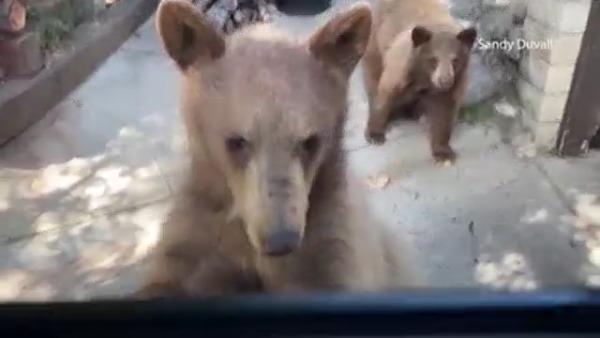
pixel 282 242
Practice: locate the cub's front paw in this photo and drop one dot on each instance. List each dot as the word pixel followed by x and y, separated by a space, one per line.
pixel 375 137
pixel 445 157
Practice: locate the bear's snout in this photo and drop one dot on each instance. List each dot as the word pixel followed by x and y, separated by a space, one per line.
pixel 443 76
pixel 445 83
pixel 282 242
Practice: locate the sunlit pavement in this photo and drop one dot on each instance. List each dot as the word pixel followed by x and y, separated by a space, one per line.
pixel 83 192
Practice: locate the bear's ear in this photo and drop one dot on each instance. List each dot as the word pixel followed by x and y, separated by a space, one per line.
pixel 467 36
pixel 420 35
pixel 342 41
pixel 186 35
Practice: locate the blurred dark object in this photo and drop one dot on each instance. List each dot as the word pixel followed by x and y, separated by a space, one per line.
pixel 595 142
pixel 228 16
pixel 429 314
pixel 20 51
pixel 21 55
pixel 302 7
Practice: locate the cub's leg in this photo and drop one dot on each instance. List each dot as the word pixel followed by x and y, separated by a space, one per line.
pixel 440 112
pixel 387 96
pixel 372 66
pixel 188 259
pixel 443 116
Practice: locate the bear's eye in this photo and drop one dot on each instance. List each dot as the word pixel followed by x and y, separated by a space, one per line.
pixel 310 144
pixel 308 148
pixel 239 150
pixel 236 144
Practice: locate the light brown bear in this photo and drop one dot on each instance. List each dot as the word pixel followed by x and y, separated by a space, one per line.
pixel 417 53
pixel 268 205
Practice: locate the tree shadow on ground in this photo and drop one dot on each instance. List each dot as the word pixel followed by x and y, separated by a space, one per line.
pixel 75 230
pixel 75 187
pixel 101 258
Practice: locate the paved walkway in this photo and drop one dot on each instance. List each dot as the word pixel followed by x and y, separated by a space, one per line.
pixel 82 193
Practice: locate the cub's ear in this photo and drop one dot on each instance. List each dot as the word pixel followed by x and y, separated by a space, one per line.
pixel 186 34
pixel 342 41
pixel 420 35
pixel 467 36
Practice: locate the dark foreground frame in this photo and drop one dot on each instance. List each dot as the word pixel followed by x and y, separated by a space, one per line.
pixel 582 112
pixel 455 313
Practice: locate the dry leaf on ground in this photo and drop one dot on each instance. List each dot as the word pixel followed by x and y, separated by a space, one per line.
pixel 378 181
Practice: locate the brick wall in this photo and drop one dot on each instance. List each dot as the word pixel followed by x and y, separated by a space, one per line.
pixel 546 69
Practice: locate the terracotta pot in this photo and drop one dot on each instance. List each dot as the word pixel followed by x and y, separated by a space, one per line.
pixel 13 16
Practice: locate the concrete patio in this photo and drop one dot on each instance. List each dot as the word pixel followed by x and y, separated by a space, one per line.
pixel 83 192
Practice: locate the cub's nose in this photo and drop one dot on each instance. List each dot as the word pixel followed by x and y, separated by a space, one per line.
pixel 282 242
pixel 445 83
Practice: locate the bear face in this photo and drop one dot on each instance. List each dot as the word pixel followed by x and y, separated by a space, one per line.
pixel 265 110
pixel 440 56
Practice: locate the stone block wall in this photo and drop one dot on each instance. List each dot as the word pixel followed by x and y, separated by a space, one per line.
pixel 493 68
pixel 546 69
pixel 537 43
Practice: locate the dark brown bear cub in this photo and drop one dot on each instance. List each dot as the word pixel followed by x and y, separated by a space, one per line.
pixel 267 205
pixel 417 52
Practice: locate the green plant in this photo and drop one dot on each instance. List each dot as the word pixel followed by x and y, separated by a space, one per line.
pixel 54 25
pixel 476 112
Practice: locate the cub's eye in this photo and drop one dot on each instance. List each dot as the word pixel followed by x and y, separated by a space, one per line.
pixel 308 149
pixel 239 150
pixel 310 144
pixel 236 144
